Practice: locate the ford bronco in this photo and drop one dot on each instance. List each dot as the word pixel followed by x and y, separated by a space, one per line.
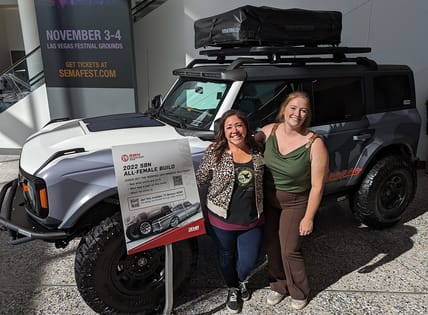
pixel 365 112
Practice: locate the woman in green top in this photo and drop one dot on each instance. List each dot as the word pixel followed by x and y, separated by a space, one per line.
pixel 296 166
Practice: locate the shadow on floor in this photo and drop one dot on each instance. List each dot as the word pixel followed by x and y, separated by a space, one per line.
pixel 338 246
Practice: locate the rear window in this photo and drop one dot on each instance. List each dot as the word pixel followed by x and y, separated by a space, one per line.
pixel 337 100
pixel 391 92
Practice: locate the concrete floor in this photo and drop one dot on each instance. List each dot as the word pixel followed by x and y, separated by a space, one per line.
pixel 352 269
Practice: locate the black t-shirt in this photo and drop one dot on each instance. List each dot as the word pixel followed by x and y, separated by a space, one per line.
pixel 242 208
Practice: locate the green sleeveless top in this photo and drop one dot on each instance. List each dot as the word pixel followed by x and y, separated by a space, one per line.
pixel 290 172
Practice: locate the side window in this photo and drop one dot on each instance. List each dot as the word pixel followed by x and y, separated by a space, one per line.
pixel 249 99
pixel 391 92
pixel 262 100
pixel 337 100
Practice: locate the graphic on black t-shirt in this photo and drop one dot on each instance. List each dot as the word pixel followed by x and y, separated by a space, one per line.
pixel 242 207
pixel 244 175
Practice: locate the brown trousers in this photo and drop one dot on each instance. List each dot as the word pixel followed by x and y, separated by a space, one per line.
pixel 286 266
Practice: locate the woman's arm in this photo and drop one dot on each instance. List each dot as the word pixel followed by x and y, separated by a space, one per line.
pixel 319 172
pixel 261 135
pixel 204 171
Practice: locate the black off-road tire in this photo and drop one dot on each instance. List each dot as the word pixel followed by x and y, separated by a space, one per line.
pixel 133 232
pixel 385 192
pixel 112 282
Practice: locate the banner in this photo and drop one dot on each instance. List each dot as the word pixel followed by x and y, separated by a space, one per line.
pixel 86 43
pixel 158 195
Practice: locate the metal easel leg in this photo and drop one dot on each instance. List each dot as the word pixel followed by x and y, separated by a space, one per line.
pixel 169 291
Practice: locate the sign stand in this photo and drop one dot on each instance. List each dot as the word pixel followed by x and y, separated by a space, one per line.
pixel 169 289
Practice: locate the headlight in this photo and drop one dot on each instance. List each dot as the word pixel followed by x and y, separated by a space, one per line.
pixel 35 194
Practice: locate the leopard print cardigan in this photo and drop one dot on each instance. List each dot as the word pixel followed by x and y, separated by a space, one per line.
pixel 220 179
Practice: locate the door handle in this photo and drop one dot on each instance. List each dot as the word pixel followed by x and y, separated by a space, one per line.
pixel 362 137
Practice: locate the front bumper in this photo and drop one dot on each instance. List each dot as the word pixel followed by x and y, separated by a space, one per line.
pixel 21 226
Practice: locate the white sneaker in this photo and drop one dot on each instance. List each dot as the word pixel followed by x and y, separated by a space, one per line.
pixel 245 294
pixel 233 301
pixel 274 298
pixel 298 304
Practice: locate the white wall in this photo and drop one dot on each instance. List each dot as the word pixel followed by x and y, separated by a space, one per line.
pixel 13 27
pixel 4 49
pixel 10 34
pixel 7 2
pixel 394 29
pixel 23 119
pixel 159 48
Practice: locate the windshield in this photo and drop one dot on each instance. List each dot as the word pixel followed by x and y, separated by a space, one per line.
pixel 193 104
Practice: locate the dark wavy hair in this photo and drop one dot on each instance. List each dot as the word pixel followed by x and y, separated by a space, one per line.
pixel 220 143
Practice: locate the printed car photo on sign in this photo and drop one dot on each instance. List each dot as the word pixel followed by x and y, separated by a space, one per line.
pixel 146 224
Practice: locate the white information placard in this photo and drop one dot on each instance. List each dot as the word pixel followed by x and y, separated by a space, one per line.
pixel 158 195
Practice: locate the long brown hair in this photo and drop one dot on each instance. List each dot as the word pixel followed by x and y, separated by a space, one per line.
pixel 288 99
pixel 220 143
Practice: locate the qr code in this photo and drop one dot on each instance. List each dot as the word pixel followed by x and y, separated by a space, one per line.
pixel 178 180
pixel 135 203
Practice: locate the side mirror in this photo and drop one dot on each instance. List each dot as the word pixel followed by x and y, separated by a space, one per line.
pixel 157 101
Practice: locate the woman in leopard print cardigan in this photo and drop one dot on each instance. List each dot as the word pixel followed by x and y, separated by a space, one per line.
pixel 232 172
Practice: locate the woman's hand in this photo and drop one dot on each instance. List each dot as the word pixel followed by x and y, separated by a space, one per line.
pixel 306 226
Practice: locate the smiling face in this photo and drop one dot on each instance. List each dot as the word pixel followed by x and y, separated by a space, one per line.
pixel 235 131
pixel 296 112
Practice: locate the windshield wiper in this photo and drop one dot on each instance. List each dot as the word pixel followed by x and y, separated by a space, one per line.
pixel 179 121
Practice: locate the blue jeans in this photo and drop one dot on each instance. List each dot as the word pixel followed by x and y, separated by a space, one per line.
pixel 238 252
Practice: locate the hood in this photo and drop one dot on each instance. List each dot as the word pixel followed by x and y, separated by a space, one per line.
pixel 84 136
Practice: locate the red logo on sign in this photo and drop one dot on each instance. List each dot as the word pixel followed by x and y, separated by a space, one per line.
pixel 125 157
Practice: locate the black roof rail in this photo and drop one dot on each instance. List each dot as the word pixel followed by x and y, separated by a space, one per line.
pixel 206 61
pixel 294 55
pixel 275 54
pixel 366 62
pixel 235 64
pixel 278 51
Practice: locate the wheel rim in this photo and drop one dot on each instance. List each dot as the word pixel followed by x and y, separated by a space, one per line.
pixel 139 273
pixel 393 194
pixel 145 228
pixel 174 222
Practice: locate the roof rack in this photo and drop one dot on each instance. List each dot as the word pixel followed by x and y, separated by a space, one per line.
pixel 284 51
pixel 282 54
